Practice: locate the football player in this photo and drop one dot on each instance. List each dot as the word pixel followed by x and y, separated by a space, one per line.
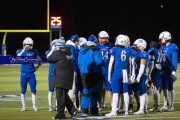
pixel 27 72
pixel 154 73
pixel 104 46
pixel 140 62
pixel 50 73
pixel 169 67
pixel 118 75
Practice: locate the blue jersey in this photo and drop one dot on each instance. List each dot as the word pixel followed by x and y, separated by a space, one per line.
pixel 121 57
pixel 104 49
pixel 28 68
pixel 156 53
pixel 51 65
pixel 140 55
pixel 170 57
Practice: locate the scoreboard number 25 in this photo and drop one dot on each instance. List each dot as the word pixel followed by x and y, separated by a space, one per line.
pixel 55 22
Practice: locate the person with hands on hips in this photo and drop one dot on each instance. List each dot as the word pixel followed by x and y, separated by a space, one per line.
pixel 27 72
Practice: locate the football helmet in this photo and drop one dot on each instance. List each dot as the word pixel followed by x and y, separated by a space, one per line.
pixel 127 41
pixel 28 41
pixel 164 36
pixel 122 40
pixel 150 88
pixel 103 37
pixel 141 44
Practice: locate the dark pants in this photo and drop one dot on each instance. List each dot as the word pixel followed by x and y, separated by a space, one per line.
pixel 63 100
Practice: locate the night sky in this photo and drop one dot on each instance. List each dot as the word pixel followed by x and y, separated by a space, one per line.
pixel 136 18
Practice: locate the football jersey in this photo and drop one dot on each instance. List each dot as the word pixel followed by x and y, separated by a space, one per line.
pixel 156 53
pixel 28 67
pixel 140 55
pixel 121 57
pixel 169 57
pixel 104 49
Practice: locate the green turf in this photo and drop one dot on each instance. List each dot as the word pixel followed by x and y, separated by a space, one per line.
pixel 10 110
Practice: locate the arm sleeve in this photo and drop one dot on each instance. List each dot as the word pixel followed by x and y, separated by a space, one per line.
pixel 174 61
pixel 110 67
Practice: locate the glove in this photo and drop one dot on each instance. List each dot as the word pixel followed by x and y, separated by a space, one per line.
pixel 173 74
pixel 109 78
pixel 53 47
pixel 149 77
pixel 26 47
pixel 137 79
pixel 132 79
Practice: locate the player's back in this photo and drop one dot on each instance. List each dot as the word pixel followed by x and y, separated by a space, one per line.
pixel 121 56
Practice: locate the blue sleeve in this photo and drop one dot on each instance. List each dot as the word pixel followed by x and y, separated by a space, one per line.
pixel 98 59
pixel 18 51
pixel 112 51
pixel 175 58
pixel 47 52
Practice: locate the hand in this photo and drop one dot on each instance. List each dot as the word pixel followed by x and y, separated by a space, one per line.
pixel 132 79
pixel 53 47
pixel 36 68
pixel 137 79
pixel 173 74
pixel 149 77
pixel 26 47
pixel 109 78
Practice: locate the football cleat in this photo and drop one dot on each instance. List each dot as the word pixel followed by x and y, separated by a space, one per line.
pixel 139 112
pixel 111 114
pixel 35 108
pixel 23 108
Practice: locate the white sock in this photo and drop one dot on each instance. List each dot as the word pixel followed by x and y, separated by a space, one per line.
pixel 115 101
pixel 34 100
pixel 131 99
pixel 157 97
pixel 169 97
pixel 126 101
pixel 142 102
pixel 23 100
pixel 165 92
pixel 50 96
pixel 172 97
pixel 146 102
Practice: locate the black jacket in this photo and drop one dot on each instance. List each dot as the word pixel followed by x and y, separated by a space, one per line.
pixel 63 68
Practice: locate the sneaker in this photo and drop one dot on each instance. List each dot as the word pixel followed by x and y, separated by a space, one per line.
pixel 121 110
pixel 50 108
pixel 59 118
pixel 164 107
pixel 130 109
pixel 170 109
pixel 111 114
pixel 155 109
pixel 139 112
pixel 23 108
pixel 35 109
pixel 146 112
pixel 126 113
pixel 74 114
pixel 152 109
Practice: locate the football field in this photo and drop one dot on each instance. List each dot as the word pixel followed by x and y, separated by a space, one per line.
pixel 10 103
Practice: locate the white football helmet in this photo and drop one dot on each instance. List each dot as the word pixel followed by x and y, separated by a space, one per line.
pixel 82 41
pixel 103 34
pixel 164 36
pixel 127 41
pixel 28 41
pixel 141 44
pixel 150 88
pixel 121 40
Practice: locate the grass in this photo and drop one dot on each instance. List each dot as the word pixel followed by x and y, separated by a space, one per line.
pixel 10 105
